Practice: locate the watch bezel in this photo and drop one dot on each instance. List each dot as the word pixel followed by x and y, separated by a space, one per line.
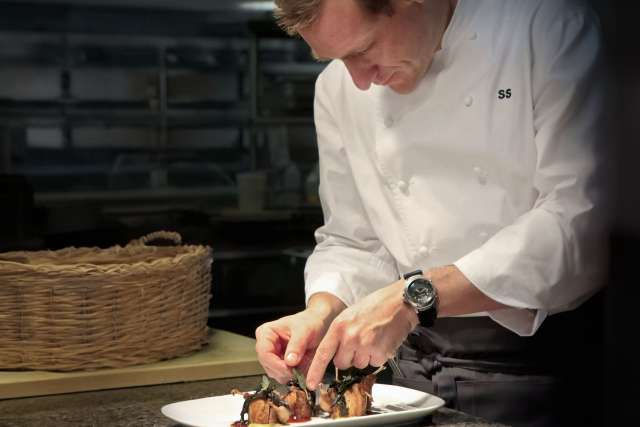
pixel 424 303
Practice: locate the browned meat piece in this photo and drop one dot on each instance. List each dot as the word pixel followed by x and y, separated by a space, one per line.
pixel 354 402
pixel 261 411
pixel 358 399
pixel 298 402
pixel 327 397
pixel 282 413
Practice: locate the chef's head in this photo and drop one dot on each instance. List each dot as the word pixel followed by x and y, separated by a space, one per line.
pixel 384 42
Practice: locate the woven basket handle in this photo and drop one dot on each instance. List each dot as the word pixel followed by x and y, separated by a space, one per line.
pixel 165 235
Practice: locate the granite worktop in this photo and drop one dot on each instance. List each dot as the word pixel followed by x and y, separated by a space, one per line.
pixel 140 406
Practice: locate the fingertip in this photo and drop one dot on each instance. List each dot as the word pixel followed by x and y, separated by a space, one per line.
pixel 312 385
pixel 312 381
pixel 291 359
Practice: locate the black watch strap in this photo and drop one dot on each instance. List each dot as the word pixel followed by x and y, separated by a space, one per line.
pixel 413 273
pixel 428 317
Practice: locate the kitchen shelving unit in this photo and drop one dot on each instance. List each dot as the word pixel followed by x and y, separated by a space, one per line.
pixel 166 90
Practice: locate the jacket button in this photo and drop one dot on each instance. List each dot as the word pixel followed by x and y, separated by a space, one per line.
pixel 423 250
pixel 468 101
pixel 473 36
pixel 388 121
pixel 481 175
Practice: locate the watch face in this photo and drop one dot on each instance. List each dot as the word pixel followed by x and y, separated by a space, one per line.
pixel 421 293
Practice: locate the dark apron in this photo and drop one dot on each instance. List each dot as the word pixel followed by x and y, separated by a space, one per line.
pixel 479 367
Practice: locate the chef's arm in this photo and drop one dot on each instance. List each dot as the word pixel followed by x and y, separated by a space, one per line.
pixel 325 305
pixel 348 261
pixel 457 295
pixel 371 331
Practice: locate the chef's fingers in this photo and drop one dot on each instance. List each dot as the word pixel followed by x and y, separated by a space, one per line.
pixel 343 358
pixel 378 358
pixel 297 347
pixel 361 360
pixel 268 340
pixel 305 363
pixel 269 350
pixel 276 368
pixel 324 353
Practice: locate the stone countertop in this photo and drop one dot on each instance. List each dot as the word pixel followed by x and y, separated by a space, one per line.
pixel 140 407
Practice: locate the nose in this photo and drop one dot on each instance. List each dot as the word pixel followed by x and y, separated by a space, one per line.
pixel 362 73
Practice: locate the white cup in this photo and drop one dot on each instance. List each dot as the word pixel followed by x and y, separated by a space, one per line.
pixel 252 191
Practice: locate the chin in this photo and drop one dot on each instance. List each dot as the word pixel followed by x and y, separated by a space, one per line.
pixel 403 83
pixel 403 88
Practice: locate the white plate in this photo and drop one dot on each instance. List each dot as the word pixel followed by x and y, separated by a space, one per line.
pixel 397 405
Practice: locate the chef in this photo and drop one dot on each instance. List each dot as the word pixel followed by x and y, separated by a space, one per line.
pixel 461 181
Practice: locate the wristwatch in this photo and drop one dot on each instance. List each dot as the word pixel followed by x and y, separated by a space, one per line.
pixel 420 293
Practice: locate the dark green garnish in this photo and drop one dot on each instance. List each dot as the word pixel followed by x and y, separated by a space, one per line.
pixel 342 385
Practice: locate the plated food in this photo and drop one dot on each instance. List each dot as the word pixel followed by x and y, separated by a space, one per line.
pixel 267 405
pixel 349 395
pixel 392 405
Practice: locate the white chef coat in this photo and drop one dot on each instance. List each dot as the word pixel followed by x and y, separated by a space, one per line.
pixel 491 164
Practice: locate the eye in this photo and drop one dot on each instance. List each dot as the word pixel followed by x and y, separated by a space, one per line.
pixel 362 52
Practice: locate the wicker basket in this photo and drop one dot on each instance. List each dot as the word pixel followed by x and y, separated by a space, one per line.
pixel 89 308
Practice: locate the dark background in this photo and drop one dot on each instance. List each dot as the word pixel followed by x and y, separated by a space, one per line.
pixel 210 91
pixel 119 118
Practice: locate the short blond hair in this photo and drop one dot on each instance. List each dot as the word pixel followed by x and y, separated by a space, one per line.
pixel 292 15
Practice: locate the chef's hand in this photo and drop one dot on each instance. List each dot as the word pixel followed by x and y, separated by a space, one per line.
pixel 292 340
pixel 367 333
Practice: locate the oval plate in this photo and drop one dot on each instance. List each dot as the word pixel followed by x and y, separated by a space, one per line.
pixel 391 405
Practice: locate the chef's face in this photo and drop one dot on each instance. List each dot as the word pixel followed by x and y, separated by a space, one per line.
pixel 394 50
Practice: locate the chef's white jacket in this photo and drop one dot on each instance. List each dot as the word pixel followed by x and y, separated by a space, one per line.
pixel 491 164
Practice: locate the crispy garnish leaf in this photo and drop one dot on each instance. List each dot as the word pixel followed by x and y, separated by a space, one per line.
pixel 265 384
pixel 299 379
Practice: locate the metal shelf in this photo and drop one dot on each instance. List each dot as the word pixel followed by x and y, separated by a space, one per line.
pixel 60 115
pixel 239 6
pixel 178 119
pixel 57 116
pixel 137 195
pixel 294 69
pixel 284 120
pixel 165 55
